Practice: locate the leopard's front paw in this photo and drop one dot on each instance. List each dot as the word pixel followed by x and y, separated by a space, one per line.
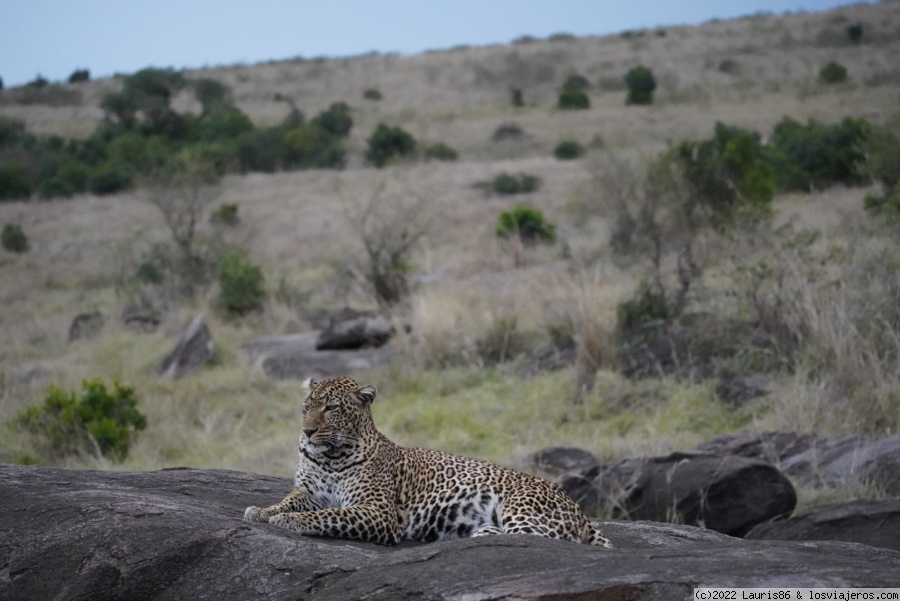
pixel 283 521
pixel 255 514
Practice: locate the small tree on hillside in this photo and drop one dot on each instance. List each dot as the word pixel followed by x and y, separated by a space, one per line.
pixel 182 191
pixel 641 84
pixel 389 225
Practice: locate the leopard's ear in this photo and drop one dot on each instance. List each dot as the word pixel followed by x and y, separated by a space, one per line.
pixel 366 394
pixel 308 383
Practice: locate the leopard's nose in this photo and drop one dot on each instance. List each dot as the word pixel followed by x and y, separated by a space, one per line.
pixel 309 432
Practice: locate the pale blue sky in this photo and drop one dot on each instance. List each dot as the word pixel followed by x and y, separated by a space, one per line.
pixel 55 37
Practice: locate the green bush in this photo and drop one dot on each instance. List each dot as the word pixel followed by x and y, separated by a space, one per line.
pixel 15 183
pixel 527 223
pixel 80 75
pixel 213 96
pixel 440 152
pixel 110 177
pixel 373 94
pixel 820 155
pixel 832 73
pixel 568 149
pixel 854 32
pixel 576 82
pixel 728 174
pixel 388 142
pixel 13 238
pixel 12 131
pixel 90 421
pixel 516 98
pixel 226 214
pixel 335 120
pixel 641 83
pixel 573 100
pixel 521 183
pixel 241 283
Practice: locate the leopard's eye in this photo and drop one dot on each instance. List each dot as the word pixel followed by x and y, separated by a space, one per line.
pixel 331 407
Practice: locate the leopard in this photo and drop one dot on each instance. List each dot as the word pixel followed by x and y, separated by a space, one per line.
pixel 353 482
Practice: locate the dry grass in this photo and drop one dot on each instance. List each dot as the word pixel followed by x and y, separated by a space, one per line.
pixel 474 297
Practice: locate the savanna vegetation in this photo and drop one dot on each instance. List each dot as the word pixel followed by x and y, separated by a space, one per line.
pixel 738 176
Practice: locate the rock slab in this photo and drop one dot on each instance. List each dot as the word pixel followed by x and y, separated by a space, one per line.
pixel 194 349
pixel 178 534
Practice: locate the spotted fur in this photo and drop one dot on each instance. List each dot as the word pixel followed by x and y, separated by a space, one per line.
pixel 352 482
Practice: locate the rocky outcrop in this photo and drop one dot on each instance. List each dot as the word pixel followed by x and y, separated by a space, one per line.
pixel 194 349
pixel 350 329
pixel 875 523
pixel 178 534
pixel 86 325
pixel 814 461
pixel 295 356
pixel 725 493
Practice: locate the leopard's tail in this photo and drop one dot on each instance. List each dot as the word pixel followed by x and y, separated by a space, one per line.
pixel 591 535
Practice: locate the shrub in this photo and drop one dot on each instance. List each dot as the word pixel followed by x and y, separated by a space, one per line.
pixel 241 284
pixel 648 304
pixel 373 94
pixel 310 145
pixel 15 183
pixel 507 131
pixel 13 238
pixel 388 142
pixel 79 75
pixel 38 82
pixel 854 32
pixel 522 183
pixel 527 223
pixel 568 149
pixel 92 421
pixel 70 178
pixel 516 98
pixel 110 177
pixel 12 131
pixel 576 82
pixel 729 173
pixel 729 66
pixel 833 73
pixel 213 95
pixel 440 152
pixel 819 155
pixel 226 214
pixel 641 83
pixel 335 120
pixel 573 100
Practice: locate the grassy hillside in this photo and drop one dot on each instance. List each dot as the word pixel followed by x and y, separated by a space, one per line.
pixel 828 264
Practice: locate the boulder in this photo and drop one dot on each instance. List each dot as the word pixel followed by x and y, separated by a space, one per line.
pixel 874 523
pixel 558 461
pixel 86 325
pixel 178 534
pixel 194 349
pixel 728 494
pixel 820 461
pixel 350 329
pixel 295 356
pixel 143 321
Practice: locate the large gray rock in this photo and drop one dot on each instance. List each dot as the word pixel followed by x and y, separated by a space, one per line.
pixel 296 356
pixel 86 325
pixel 875 523
pixel 350 329
pixel 814 461
pixel 725 493
pixel 194 349
pixel 178 534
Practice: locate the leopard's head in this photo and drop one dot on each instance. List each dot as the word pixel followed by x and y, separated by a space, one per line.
pixel 336 415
